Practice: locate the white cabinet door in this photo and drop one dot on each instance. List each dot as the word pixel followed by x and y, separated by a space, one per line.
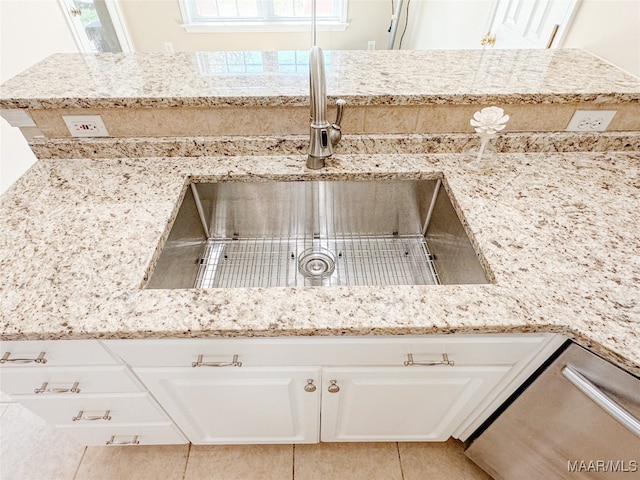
pixel 400 403
pixel 239 405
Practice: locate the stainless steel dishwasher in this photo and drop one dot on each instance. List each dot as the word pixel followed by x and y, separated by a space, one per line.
pixel 577 419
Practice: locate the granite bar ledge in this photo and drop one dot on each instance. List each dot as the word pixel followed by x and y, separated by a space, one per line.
pixel 276 79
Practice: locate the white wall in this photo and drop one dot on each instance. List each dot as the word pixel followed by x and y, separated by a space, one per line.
pixel 30 30
pixel 610 29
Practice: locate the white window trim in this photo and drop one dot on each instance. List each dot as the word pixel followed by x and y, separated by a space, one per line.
pixel 261 27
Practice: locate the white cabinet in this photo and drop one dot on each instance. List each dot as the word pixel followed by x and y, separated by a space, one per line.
pixel 270 390
pixel 305 390
pixel 400 404
pixel 81 388
pixel 239 405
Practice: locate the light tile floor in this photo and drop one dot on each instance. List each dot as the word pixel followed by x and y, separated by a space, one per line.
pixel 30 449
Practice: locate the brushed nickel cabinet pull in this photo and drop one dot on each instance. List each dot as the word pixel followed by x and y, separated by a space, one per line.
pixel 309 387
pixel 333 387
pixel 113 441
pixel 233 363
pixel 445 361
pixel 45 389
pixel 40 359
pixel 91 418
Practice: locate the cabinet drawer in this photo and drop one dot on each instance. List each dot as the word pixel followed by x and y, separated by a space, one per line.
pixel 124 408
pixel 55 352
pixel 99 435
pixel 329 351
pixel 110 379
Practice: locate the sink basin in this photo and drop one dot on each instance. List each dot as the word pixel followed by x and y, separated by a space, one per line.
pixel 316 233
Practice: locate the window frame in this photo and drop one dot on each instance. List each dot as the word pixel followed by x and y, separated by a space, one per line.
pixel 264 24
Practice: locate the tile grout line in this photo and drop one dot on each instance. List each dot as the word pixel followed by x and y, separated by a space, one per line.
pixel 400 460
pixel 186 464
pixel 75 474
pixel 293 463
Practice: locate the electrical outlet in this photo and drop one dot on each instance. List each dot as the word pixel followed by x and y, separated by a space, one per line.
pixel 85 125
pixel 371 45
pixel 590 120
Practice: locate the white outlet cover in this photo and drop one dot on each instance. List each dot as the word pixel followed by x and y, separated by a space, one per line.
pixel 590 120
pixel 85 125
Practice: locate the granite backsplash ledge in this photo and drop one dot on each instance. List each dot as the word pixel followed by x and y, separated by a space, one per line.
pixel 64 148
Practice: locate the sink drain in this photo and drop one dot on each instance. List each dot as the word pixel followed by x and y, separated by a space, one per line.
pixel 316 263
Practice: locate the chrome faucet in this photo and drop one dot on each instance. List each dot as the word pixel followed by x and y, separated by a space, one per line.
pixel 323 136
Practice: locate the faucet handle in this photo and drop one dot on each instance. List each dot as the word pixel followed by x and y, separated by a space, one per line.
pixel 340 103
pixel 335 133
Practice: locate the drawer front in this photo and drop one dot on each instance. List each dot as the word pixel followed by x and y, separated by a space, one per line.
pixel 330 351
pixel 53 353
pixel 49 381
pixel 94 409
pixel 101 435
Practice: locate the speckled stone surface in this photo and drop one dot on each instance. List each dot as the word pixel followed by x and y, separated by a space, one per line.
pixel 281 78
pixel 350 144
pixel 560 234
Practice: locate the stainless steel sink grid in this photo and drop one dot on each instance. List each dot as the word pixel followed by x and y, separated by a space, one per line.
pixel 320 233
pixel 288 262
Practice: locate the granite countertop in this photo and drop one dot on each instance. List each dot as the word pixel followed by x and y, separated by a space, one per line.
pixel 398 77
pixel 559 232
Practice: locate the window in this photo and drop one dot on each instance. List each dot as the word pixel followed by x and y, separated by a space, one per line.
pixel 262 15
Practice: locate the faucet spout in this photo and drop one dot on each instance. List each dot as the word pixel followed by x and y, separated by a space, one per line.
pixel 323 136
pixel 318 88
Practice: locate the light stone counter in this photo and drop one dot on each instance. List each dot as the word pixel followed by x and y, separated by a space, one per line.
pixel 259 79
pixel 560 233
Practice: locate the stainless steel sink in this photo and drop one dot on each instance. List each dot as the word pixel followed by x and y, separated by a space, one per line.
pixel 316 233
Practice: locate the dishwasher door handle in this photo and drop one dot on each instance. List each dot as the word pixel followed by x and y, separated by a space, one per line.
pixel 602 400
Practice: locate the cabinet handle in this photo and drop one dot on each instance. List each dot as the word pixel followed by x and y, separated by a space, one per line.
pixel 91 418
pixel 309 387
pixel 113 441
pixel 40 359
pixel 602 400
pixel 233 363
pixel 333 387
pixel 45 389
pixel 445 361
